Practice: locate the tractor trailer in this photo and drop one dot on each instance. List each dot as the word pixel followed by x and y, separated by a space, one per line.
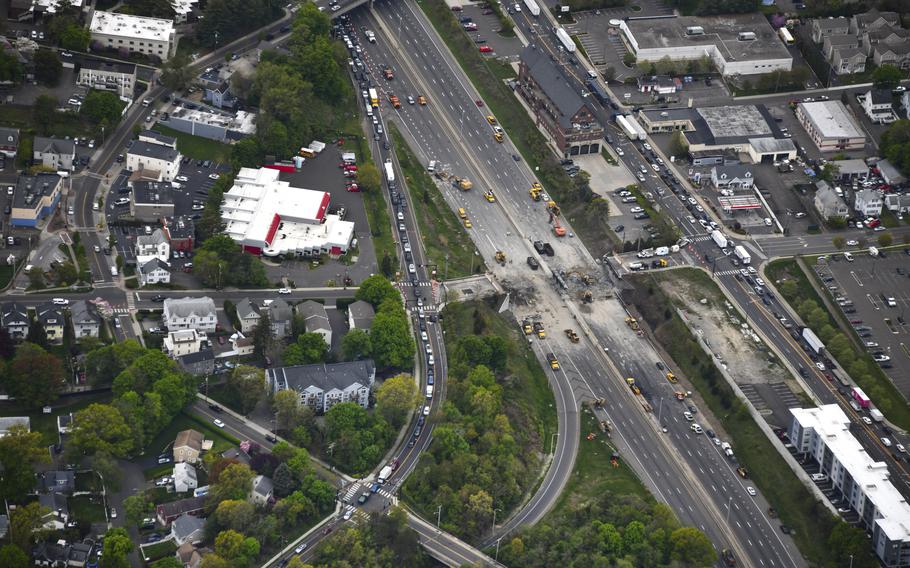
pixel 719 238
pixel 813 341
pixel 630 127
pixel 565 39
pixel 533 7
pixel 742 254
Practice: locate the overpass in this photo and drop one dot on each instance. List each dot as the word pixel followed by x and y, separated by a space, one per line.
pixel 343 6
pixel 446 548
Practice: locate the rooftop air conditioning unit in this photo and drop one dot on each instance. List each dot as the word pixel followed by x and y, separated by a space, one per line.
pixel 695 30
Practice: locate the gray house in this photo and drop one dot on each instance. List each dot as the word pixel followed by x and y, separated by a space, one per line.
pixel 58 481
pixel 199 363
pixel 828 203
pixel 281 315
pixel 54 153
pixel 735 176
pixel 85 318
pixel 14 319
pixel 360 315
pixel 248 314
pixel 188 528
pixel 316 320
pixel 323 386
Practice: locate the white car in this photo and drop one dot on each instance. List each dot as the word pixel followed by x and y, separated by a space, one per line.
pixel 182 178
pixel 426 410
pixel 349 512
pixel 900 448
pixel 647 146
pixel 688 416
pixel 636 210
pixel 60 301
pixel 96 248
pixel 768 221
pixel 852 243
pixel 113 513
pixel 696 428
pixel 214 176
pixel 751 491
pixel 820 366
pixel 619 151
pixel 218 422
pixel 122 201
pixel 284 290
pixel 867 421
pixel 412 269
pixel 752 270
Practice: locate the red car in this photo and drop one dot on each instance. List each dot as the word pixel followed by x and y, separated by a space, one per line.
pixel 353 188
pixel 350 168
pixel 456 8
pixel 479 103
pixel 485 49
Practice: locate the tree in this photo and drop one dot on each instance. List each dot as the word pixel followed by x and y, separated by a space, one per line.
pixel 692 547
pixel 396 397
pixel 310 348
pixel 390 335
pixel 263 337
pixel 628 60
pixel 23 524
pixel 75 37
pixel 289 413
pixel 19 450
pixel 368 178
pixel 885 240
pixel 248 385
pixel 679 146
pixel 102 107
pixel 117 547
pixel 238 550
pixel 47 66
pixel 44 112
pixel 10 69
pixel 887 77
pixel 105 363
pixel 100 428
pixel 609 74
pixel 356 345
pixel 235 515
pixel 839 242
pixel 225 20
pixel 234 482
pixel 11 556
pixel 137 507
pixel 284 481
pixel 850 542
pixel 169 562
pixel 376 290
pixel 34 377
pixel 37 335
pixel 176 73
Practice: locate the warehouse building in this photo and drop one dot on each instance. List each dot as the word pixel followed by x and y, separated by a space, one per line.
pixel 267 216
pixel 740 44
pixel 136 34
pixel 830 126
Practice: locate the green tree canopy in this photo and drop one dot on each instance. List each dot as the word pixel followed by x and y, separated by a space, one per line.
pixel 376 290
pixel 356 344
pixel 309 348
pixel 395 397
pixel 117 547
pixel 248 385
pixel 47 67
pixel 102 107
pixel 19 451
pixel 100 428
pixel 887 77
pixel 34 376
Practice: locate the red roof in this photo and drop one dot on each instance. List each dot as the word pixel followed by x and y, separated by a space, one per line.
pixel 323 207
pixel 273 228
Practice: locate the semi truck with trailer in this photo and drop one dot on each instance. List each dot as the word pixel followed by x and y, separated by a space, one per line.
pixel 742 254
pixel 813 341
pixel 565 39
pixel 630 127
pixel 719 239
pixel 532 7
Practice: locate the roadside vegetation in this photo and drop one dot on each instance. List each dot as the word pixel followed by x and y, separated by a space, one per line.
pixel 834 330
pixel 579 204
pixel 606 517
pixel 384 541
pixel 822 538
pixel 492 431
pixel 445 241
pixel 197 147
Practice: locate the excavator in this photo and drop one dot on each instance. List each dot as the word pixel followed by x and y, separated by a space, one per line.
pixel 501 257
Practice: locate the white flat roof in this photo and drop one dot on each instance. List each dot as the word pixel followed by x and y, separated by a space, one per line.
pixel 833 427
pixel 831 119
pixel 125 25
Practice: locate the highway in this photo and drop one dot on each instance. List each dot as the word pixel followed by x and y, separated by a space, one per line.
pixel 679 468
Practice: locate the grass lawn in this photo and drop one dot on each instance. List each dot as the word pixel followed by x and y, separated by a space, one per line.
pixel 594 475
pixel 186 421
pixel 158 550
pixel 197 147
pixel 84 509
pixel 794 503
pixel 886 397
pixel 441 229
pixel 87 481
pixel 47 423
pixel 6 275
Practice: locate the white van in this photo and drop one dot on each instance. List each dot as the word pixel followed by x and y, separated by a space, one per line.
pixel 432 167
pixel 113 271
pixel 429 391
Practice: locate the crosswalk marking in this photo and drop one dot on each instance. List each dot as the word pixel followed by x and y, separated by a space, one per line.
pixel 732 272
pixel 411 284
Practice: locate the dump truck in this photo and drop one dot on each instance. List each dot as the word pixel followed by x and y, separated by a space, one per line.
pixel 535 191
pixel 394 100
pixel 387 73
pixel 464 184
pixel 632 323
pixel 573 337
pixel 554 362
pixel 500 257
pixel 538 329
pixel 672 378
pixel 526 327
pixel 558 229
pixel 631 382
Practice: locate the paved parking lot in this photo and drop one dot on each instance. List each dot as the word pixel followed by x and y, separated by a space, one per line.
pixel 487 24
pixel 867 282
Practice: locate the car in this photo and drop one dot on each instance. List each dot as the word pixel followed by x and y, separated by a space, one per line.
pixel 218 422
pixel 214 176
pixel 60 301
pixel 113 513
pixel 182 178
pixel 284 290
pixel 158 298
pixel 751 491
pixel 619 151
pixel 867 421
pixel 696 428
pixel 636 210
pixel 900 448
pixel 122 201
pixel 485 49
pixel 215 407
pixel 164 458
pixel 688 416
pixel 300 548
pixel 820 366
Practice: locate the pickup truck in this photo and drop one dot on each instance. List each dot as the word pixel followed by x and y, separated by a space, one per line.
pixel 394 100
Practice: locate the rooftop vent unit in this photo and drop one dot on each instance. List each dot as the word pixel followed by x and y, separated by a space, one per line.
pixel 746 36
pixel 695 31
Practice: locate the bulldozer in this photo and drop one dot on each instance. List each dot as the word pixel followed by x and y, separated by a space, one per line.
pixel 464 184
pixel 501 257
pixel 570 333
pixel 632 323
pixel 539 330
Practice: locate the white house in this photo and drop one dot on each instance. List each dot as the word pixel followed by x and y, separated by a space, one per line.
pixel 183 342
pixel 828 202
pixel 184 477
pixel 868 202
pixel 85 319
pixel 157 161
pixel 262 490
pixel 877 105
pixel 154 272
pixel 152 246
pixel 316 320
pixel 734 176
pixel 190 313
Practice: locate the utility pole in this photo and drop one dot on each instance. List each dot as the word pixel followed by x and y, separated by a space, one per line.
pixel 438 516
pixel 493 528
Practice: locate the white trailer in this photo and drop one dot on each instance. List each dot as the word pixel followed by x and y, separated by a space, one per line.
pixel 389 172
pixel 639 130
pixel 876 415
pixel 625 123
pixel 719 238
pixel 813 341
pixel 384 474
pixel 742 254
pixel 317 146
pixel 533 7
pixel 565 39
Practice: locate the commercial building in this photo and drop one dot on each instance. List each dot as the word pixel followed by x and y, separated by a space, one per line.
pixel 748 130
pixel 155 137
pixel 190 313
pixel 558 107
pixel 830 126
pixel 35 198
pixel 108 76
pixel 267 216
pixel 136 34
pixel 54 153
pixel 156 161
pixel 738 44
pixel 323 386
pixel 152 200
pixel 732 177
pixel 823 434
pixel 213 124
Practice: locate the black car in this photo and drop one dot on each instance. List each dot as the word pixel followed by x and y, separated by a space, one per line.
pixel 532 262
pixel 271 438
pixel 215 408
pixel 158 298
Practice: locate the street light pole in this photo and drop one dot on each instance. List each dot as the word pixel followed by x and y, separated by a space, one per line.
pixel 498 540
pixel 493 528
pixel 438 516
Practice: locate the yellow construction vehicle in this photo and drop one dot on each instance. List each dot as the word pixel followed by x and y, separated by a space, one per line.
pixel 535 191
pixel 573 337
pixel 632 323
pixel 672 378
pixel 488 195
pixel 662 263
pixel 526 327
pixel 554 362
pixel 538 328
pixel 553 208
pixel 631 382
pixel 498 136
pixel 467 224
pixel 500 257
pixel 464 184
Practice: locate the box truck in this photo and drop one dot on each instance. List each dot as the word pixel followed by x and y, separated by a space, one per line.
pixel 876 415
pixel 719 239
pixel 742 254
pixel 384 474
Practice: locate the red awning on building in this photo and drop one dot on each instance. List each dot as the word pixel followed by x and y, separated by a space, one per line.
pixel 273 228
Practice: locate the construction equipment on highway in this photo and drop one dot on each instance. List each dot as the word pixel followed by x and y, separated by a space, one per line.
pixel 680 395
pixel 498 137
pixel 488 195
pixel 598 402
pixel 464 184
pixel 526 327
pixel 570 333
pixel 554 209
pixel 554 362
pixel 395 102
pixel 672 378
pixel 535 191
pixel 633 325
pixel 538 329
pixel 558 229
pixel 631 382
pixel 587 297
pixel 743 472
pixel 501 257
